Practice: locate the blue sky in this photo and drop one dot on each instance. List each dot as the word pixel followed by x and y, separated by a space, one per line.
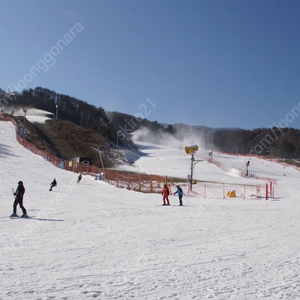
pixel 229 63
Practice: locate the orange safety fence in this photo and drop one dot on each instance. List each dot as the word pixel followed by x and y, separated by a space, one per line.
pixel 241 173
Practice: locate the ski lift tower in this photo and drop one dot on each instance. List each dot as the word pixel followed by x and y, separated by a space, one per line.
pixel 190 150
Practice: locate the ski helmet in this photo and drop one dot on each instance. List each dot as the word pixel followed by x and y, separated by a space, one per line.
pixel 20 182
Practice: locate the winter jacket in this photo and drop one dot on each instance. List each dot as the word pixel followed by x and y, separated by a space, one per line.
pixel 19 193
pixel 165 192
pixel 179 191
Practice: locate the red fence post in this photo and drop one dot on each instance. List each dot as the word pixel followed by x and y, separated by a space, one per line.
pixel 151 184
pixel 267 191
pixel 140 183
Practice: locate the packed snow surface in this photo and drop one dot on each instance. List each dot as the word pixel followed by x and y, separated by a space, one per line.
pixel 94 241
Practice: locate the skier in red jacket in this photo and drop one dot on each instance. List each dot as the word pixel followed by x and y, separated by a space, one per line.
pixel 165 193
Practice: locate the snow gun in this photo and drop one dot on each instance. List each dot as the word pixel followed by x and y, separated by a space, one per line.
pixel 191 149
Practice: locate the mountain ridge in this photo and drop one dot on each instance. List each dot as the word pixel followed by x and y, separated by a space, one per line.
pixel 115 129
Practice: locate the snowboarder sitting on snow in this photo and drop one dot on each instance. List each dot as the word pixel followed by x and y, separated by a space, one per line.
pixel 179 192
pixel 79 178
pixel 19 193
pixel 53 184
pixel 165 193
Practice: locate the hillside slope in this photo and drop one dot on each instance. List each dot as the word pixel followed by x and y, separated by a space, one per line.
pixel 67 140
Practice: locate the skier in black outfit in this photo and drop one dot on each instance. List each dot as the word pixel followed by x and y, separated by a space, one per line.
pixel 19 193
pixel 79 178
pixel 53 184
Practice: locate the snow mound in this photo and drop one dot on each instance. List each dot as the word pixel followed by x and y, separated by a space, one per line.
pixel 35 115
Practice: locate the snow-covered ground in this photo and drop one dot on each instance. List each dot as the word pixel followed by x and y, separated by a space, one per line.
pixel 92 240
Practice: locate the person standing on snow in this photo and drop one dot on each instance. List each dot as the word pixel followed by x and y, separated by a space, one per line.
pixel 79 178
pixel 53 184
pixel 165 193
pixel 19 193
pixel 179 192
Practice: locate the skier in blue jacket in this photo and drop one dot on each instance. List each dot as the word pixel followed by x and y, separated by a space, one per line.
pixel 179 192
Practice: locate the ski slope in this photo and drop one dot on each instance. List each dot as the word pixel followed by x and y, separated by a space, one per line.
pixel 94 241
pixel 174 162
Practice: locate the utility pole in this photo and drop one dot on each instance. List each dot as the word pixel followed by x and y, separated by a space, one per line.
pixel 192 170
pixel 212 144
pixel 118 144
pixel 191 150
pixel 24 126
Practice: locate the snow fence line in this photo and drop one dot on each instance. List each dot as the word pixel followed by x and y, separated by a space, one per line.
pixel 144 182
pixel 270 182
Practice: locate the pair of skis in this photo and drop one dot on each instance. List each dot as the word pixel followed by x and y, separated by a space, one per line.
pixel 15 216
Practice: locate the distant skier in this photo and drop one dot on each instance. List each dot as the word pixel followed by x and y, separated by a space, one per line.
pixel 165 193
pixel 53 184
pixel 19 193
pixel 179 192
pixel 79 178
